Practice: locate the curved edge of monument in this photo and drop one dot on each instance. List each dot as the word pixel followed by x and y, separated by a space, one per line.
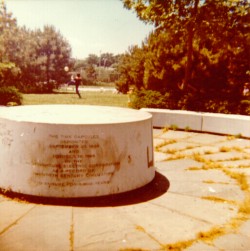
pixel 156 188
pixel 71 159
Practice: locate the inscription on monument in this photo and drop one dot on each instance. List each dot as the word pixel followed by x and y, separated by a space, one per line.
pixel 71 160
pixel 6 137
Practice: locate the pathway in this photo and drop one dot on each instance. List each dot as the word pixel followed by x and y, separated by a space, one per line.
pixel 199 200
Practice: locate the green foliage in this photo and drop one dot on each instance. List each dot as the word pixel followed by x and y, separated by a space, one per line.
pixel 198 54
pixel 92 60
pixel 39 88
pixel 164 61
pixel 10 95
pixel 9 70
pixel 179 101
pixel 122 86
pixel 107 59
pixel 147 98
pixel 53 53
pixel 131 69
pixel 245 107
pixel 91 74
pixel 173 127
pixel 42 59
pixel 96 69
pixel 8 73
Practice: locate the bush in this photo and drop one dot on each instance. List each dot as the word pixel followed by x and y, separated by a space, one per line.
pixel 188 101
pixel 121 87
pixel 245 107
pixel 148 98
pixel 39 88
pixel 10 95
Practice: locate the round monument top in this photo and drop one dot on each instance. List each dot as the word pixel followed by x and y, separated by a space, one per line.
pixel 73 114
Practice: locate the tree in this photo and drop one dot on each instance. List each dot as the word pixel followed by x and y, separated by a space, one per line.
pixel 200 24
pixel 179 15
pixel 93 59
pixel 164 61
pixel 107 59
pixel 42 59
pixel 91 74
pixel 198 52
pixel 9 70
pixel 131 69
pixel 53 54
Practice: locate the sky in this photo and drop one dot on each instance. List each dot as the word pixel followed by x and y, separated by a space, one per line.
pixel 90 26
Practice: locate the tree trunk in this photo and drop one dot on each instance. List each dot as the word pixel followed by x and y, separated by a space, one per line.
pixel 48 68
pixel 190 30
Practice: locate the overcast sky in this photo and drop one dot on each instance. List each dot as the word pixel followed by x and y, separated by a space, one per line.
pixel 90 26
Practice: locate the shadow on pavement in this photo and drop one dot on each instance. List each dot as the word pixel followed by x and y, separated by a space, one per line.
pixel 157 187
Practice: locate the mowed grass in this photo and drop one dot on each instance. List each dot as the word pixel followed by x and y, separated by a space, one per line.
pixel 88 98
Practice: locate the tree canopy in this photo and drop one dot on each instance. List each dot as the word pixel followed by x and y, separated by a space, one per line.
pixel 199 48
pixel 208 30
pixel 41 60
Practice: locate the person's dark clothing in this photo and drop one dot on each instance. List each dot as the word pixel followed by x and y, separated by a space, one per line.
pixel 77 83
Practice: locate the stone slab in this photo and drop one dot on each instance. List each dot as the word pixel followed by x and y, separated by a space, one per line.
pixel 224 156
pixel 108 228
pixel 233 242
pixel 181 119
pixel 179 146
pixel 199 246
pixel 200 121
pixel 245 229
pixel 173 217
pixel 237 143
pixel 145 216
pixel 237 163
pixel 226 124
pixel 196 208
pixel 194 183
pixel 205 138
pixel 176 135
pixel 75 150
pixel 200 150
pixel 10 211
pixel 43 228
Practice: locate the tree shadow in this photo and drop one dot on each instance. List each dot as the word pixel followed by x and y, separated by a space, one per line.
pixel 157 187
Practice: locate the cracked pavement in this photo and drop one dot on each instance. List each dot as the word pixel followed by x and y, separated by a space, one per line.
pixel 199 200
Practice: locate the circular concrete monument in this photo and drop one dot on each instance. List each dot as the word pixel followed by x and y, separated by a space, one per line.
pixel 74 150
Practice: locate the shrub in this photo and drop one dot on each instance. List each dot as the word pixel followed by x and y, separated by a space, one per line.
pixel 121 87
pixel 10 95
pixel 39 88
pixel 245 107
pixel 188 101
pixel 148 98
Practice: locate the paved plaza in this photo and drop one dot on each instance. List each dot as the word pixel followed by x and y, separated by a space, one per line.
pixel 199 200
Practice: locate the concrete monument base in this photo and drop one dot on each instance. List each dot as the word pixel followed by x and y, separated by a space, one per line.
pixel 74 151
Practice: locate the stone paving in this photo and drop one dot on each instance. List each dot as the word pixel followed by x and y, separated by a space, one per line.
pixel 199 200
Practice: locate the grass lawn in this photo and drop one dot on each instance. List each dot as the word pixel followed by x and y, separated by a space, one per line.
pixel 88 98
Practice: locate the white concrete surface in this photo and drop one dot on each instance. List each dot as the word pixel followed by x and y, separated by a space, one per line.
pixel 75 151
pixel 203 122
pixel 226 124
pixel 182 119
pixel 190 205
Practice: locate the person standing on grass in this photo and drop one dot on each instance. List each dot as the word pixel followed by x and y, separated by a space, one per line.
pixel 78 81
